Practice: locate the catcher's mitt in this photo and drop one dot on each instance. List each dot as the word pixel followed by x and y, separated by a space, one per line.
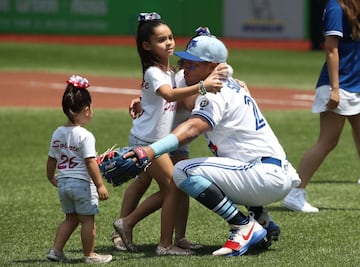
pixel 117 170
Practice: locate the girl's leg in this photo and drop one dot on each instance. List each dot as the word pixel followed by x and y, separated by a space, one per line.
pixel 133 194
pixel 125 225
pixel 64 231
pixel 355 125
pixel 331 125
pixel 88 234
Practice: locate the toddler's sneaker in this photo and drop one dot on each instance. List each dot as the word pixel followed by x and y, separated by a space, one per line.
pixel 97 258
pixel 296 200
pixel 242 237
pixel 55 255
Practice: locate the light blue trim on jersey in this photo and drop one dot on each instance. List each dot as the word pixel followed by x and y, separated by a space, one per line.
pixel 194 185
pixel 243 167
pixel 164 145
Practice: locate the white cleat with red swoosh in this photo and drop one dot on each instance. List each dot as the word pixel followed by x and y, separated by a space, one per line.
pixel 242 237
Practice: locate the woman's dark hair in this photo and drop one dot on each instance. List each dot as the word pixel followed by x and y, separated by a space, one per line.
pixel 144 32
pixel 352 11
pixel 74 100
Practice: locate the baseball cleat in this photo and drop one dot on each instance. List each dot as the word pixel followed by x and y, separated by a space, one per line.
pixel 296 200
pixel 242 237
pixel 272 229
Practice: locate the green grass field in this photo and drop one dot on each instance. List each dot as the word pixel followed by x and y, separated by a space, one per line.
pixel 30 207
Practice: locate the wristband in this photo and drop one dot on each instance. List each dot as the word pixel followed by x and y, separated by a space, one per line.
pixel 202 89
pixel 164 145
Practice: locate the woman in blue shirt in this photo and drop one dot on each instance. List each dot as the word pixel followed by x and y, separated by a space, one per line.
pixel 337 95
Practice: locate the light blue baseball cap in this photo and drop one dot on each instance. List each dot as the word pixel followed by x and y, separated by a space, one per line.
pixel 205 48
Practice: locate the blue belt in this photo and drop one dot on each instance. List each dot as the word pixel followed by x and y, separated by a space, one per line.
pixel 270 160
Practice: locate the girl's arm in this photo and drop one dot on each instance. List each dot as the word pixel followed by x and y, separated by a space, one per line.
pixel 95 175
pixel 50 171
pixel 212 83
pixel 332 60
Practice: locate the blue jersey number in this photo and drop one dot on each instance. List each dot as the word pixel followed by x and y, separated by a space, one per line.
pixel 259 120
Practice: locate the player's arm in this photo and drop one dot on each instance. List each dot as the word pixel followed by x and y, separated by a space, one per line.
pixel 94 172
pixel 183 134
pixel 50 170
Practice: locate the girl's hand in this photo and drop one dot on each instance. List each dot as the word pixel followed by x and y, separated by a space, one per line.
pixel 213 82
pixel 224 71
pixel 102 192
pixel 334 99
pixel 53 181
pixel 243 85
pixel 135 109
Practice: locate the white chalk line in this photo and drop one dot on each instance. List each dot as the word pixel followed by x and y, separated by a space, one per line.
pixel 299 100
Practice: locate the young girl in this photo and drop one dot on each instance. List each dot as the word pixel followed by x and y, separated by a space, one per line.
pixel 155 44
pixel 79 182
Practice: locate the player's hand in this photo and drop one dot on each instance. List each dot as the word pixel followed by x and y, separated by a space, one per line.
pixel 135 109
pixel 131 154
pixel 102 192
pixel 334 99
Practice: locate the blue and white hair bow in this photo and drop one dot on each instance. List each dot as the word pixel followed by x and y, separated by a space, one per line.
pixel 148 16
pixel 203 31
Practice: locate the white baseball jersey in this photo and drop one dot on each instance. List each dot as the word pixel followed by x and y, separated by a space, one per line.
pixel 70 146
pixel 239 130
pixel 158 114
pixel 250 166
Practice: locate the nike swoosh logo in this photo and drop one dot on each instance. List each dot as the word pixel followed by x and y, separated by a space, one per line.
pixel 247 236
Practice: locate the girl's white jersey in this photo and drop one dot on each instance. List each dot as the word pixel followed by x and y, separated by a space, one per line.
pixel 239 130
pixel 181 114
pixel 157 117
pixel 70 146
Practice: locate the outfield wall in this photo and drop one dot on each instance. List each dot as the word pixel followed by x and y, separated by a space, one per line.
pixel 263 19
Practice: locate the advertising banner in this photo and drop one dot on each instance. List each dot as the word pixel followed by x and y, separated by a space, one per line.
pixel 265 19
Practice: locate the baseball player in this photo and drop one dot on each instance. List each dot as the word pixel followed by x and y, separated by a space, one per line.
pixel 249 166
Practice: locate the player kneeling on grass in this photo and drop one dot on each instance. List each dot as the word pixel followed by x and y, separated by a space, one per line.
pixel 249 167
pixel 79 182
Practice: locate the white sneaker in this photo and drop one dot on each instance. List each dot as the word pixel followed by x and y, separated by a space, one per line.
pixel 242 237
pixel 297 200
pixel 97 258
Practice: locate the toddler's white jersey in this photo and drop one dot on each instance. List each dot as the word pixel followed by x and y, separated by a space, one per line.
pixel 70 146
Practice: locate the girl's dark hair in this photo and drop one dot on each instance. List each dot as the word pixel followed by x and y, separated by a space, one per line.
pixel 144 32
pixel 74 100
